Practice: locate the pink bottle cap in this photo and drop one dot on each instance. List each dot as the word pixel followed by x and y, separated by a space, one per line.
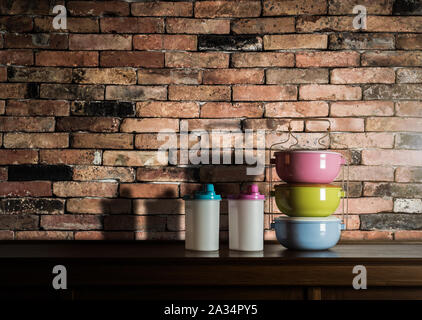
pixel 252 194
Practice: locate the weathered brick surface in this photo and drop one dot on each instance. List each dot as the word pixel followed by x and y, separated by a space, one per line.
pixel 91 117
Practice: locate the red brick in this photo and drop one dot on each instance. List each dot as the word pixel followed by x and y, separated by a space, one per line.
pixel 98 206
pixel 408 235
pixel 297 7
pixel 18 156
pixel 197 26
pixel 104 75
pixel 132 59
pixel 44 235
pixel 148 235
pixel 272 124
pixel 101 235
pixel 264 93
pixel 66 59
pixel 210 124
pixel 132 25
pixel 226 174
pixel 16 57
pixel 295 41
pixel 394 124
pixel 85 189
pixel 73 24
pixel 38 40
pixel 263 25
pixel 36 140
pixel 366 235
pixel 87 173
pixel 162 206
pixel 362 108
pixel 393 24
pixel 16 24
pixel 369 173
pixel 14 90
pixel 24 7
pixel 100 42
pixel 6 234
pixel 93 124
pixel 203 93
pixel 231 110
pixel 166 9
pixel 290 75
pixel 410 41
pixel 362 140
pixel 149 190
pixel 150 141
pixel 141 223
pixel 296 109
pixel 367 205
pixel 263 59
pixel 362 75
pixel 229 9
pixel 166 174
pixel 133 158
pixel 337 124
pixel 327 59
pixel 149 125
pixel 37 108
pixel 392 157
pixel 129 93
pixel 392 58
pixel 329 92
pixel 409 108
pixel 27 124
pixel 164 42
pixel 71 222
pixel 2 106
pixel 25 189
pixel 167 109
pixel 3 174
pixel 169 76
pixel 98 8
pixel 380 7
pixel 406 174
pixel 70 156
pixel 233 76
pixel 102 140
pixel 3 74
pixel 197 60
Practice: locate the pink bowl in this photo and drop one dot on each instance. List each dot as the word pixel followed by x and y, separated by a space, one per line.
pixel 307 166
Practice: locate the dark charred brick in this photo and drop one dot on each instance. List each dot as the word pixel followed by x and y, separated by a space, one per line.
pixel 355 188
pixel 32 206
pixel 32 91
pixel 356 157
pixel 396 190
pixel 40 172
pixel 391 221
pixel 361 41
pixel 395 91
pixel 19 222
pixel 230 43
pixel 103 108
pixel 407 7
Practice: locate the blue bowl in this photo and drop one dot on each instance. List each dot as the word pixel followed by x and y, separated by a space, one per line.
pixel 300 233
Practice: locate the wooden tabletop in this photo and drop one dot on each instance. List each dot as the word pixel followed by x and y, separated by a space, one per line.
pixel 168 263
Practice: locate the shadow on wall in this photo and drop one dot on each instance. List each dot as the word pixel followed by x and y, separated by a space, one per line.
pixel 133 216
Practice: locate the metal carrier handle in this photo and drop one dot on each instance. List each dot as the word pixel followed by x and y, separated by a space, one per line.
pixel 326 146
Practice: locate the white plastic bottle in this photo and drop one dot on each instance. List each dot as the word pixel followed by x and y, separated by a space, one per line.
pixel 246 220
pixel 202 221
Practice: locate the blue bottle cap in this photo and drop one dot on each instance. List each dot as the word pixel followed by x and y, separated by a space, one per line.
pixel 207 193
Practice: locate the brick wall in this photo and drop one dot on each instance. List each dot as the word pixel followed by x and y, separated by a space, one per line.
pixel 81 108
